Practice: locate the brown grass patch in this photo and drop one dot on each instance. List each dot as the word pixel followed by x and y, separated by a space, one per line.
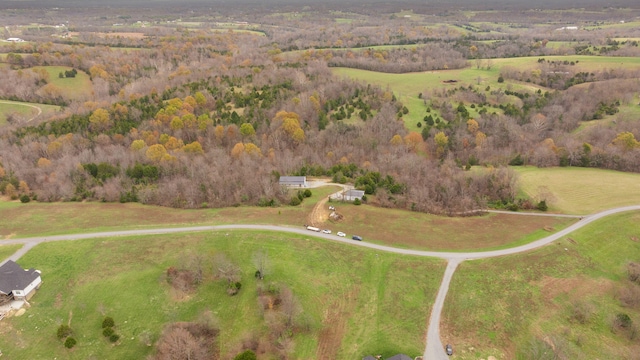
pixel 58 303
pixel 576 288
pixel 334 327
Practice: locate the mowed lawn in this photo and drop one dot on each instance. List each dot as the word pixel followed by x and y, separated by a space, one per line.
pixel 575 190
pixel 563 296
pixel 356 301
pixel 26 111
pixel 72 88
pixel 8 250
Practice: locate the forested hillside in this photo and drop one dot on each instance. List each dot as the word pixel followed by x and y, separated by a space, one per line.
pixel 207 110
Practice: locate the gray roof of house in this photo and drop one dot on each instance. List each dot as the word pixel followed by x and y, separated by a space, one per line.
pixel 14 277
pixel 354 192
pixel 400 357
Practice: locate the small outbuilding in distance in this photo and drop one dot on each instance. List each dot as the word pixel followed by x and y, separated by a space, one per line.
pixel 353 194
pixel 294 181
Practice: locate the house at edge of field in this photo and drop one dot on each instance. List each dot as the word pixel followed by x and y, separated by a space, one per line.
pixel 294 181
pixel 16 283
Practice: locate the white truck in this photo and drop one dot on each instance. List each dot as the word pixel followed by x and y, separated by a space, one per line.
pixel 313 228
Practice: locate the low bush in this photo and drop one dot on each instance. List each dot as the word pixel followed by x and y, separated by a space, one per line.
pixel 108 322
pixel 64 331
pixel 246 355
pixel 107 332
pixel 70 342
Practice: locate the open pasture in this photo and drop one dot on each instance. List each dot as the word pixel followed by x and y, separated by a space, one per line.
pixel 441 233
pixel 115 34
pixel 36 218
pixel 25 111
pixel 402 228
pixel 575 190
pixel 72 88
pixel 408 86
pixel 355 301
pixel 510 307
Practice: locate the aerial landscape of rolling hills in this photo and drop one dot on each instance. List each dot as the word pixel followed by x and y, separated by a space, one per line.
pixel 299 179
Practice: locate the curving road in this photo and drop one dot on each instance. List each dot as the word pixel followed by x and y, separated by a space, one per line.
pixel 38 110
pixel 434 349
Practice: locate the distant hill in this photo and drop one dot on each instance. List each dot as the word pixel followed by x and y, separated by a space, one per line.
pixel 471 4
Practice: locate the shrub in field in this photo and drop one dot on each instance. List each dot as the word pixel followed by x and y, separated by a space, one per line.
pixel 64 331
pixel 633 271
pixel 582 312
pixel 542 206
pixel 70 342
pixel 108 322
pixel 246 355
pixel 107 332
pixel 114 338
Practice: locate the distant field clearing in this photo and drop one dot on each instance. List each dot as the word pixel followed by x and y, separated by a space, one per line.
pixel 24 111
pixel 580 190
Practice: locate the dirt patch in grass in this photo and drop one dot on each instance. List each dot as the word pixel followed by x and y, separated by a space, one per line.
pixel 575 287
pixel 334 326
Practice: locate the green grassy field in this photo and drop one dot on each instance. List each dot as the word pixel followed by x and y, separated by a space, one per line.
pixel 238 30
pixel 627 112
pixel 368 302
pixel 408 86
pixel 580 190
pixel 403 228
pixel 34 218
pixel 25 110
pixel 509 307
pixel 72 88
pixel 8 250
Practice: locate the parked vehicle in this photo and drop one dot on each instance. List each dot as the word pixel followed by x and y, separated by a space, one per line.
pixel 449 349
pixel 341 234
pixel 313 228
pixel 326 231
pixel 356 237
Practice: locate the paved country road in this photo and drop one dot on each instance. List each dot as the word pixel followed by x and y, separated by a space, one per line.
pixel 434 349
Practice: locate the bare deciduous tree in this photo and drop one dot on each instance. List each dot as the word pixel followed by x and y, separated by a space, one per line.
pixel 262 263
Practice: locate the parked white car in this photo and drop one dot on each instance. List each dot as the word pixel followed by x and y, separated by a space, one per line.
pixel 340 233
pixel 325 231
